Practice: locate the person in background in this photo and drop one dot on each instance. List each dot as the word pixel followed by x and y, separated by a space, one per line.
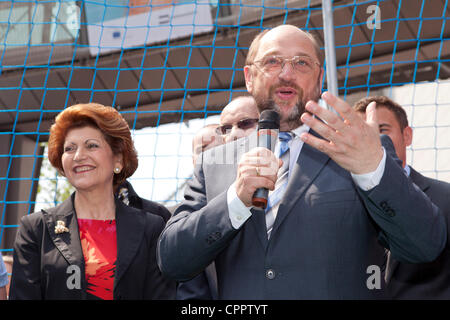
pixel 204 285
pixel 206 138
pixel 127 195
pixel 405 280
pixel 238 119
pixel 3 279
pixel 92 245
pixel 337 198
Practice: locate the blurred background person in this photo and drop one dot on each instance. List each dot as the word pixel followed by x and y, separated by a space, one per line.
pixel 3 279
pixel 239 118
pixel 91 246
pixel 125 192
pixel 206 138
pixel 204 285
pixel 404 280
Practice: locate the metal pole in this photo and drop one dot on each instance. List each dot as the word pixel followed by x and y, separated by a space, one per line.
pixel 330 53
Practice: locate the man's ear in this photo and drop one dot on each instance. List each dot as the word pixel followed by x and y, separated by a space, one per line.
pixel 321 79
pixel 407 135
pixel 248 78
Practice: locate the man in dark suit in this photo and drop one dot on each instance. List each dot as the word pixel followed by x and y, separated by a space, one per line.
pixel 405 280
pixel 237 119
pixel 339 201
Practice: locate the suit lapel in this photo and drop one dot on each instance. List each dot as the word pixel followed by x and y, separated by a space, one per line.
pixel 68 243
pixel 308 165
pixel 419 180
pixel 130 227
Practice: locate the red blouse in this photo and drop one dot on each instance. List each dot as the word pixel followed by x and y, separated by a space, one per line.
pixel 99 244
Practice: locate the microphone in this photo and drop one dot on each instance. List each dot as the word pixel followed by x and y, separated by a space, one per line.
pixel 268 127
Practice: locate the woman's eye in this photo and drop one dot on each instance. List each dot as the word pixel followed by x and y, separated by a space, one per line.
pixel 92 146
pixel 68 149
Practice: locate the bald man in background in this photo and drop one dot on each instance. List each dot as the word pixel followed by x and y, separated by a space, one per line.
pixel 204 285
pixel 239 118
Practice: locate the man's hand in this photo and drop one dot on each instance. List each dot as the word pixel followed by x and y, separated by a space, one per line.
pixel 352 142
pixel 257 169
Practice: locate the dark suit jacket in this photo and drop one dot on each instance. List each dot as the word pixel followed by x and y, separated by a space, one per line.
pixel 427 280
pixel 201 287
pixel 326 235
pixel 41 257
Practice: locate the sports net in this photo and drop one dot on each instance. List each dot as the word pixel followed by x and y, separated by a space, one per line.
pixel 171 66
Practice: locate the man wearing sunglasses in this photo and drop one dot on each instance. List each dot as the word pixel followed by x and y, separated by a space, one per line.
pixel 338 198
pixel 238 119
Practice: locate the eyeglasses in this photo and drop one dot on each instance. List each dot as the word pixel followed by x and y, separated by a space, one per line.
pixel 272 65
pixel 243 124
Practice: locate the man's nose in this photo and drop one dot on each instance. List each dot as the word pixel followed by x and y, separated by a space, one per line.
pixel 287 70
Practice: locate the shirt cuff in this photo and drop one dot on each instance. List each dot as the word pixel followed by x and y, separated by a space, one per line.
pixel 370 180
pixel 237 210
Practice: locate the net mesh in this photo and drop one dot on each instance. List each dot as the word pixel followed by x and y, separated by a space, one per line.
pixel 171 66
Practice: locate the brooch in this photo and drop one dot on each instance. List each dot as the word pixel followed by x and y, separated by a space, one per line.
pixel 60 227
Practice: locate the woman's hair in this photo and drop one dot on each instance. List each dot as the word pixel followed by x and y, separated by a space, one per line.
pixel 110 122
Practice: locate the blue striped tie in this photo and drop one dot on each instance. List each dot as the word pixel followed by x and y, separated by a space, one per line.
pixel 284 138
pixel 282 179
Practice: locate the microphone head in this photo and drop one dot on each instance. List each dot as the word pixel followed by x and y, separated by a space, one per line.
pixel 269 119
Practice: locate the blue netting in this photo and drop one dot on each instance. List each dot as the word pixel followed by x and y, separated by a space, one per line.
pixel 171 66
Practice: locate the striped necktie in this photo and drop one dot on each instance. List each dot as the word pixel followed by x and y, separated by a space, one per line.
pixel 282 179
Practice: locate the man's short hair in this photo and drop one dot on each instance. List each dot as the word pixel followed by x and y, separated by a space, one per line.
pixel 254 47
pixel 385 102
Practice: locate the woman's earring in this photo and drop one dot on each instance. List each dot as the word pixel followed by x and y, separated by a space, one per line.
pixel 116 170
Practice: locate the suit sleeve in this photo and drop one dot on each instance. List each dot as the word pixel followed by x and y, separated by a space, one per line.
pixel 411 226
pixel 157 287
pixel 26 275
pixel 194 289
pixel 196 234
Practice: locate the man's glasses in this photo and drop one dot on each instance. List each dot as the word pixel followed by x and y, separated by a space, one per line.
pixel 272 65
pixel 243 124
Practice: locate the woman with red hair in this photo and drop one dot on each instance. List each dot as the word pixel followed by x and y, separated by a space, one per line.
pixel 91 246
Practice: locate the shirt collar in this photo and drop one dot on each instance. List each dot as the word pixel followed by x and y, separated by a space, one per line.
pixel 407 170
pixel 299 130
